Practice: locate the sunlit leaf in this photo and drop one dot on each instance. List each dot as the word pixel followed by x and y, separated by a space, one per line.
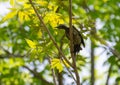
pixel 11 61
pixel 31 43
pixel 39 34
pixel 53 19
pixel 50 6
pixel 66 64
pixel 55 8
pixel 12 2
pixel 21 16
pixel 57 64
pixel 42 3
pixel 105 1
pixel 10 15
pixel 21 0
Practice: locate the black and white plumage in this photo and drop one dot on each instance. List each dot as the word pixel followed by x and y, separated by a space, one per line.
pixel 77 37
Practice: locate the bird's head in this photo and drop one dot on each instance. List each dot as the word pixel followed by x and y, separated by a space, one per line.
pixel 62 26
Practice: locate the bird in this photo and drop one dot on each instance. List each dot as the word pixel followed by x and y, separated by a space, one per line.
pixel 77 37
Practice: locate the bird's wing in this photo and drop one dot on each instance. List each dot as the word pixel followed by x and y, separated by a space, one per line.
pixel 82 40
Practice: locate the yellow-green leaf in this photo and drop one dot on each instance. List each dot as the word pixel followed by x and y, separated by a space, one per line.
pixel 39 34
pixel 12 2
pixel 53 19
pixel 42 3
pixel 105 1
pixel 10 15
pixel 31 43
pixel 66 64
pixel 57 64
pixel 21 16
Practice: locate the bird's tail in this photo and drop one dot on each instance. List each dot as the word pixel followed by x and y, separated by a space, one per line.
pixel 77 48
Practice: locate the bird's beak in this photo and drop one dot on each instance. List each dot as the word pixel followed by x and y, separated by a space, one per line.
pixel 57 27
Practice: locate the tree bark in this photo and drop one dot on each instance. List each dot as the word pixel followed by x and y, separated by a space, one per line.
pixel 92 64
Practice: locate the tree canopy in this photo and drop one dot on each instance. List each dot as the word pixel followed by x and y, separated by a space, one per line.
pixel 34 52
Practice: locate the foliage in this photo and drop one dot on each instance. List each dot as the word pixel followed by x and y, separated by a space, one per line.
pixel 26 47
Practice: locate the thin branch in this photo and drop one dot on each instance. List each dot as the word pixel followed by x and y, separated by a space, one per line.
pixel 92 64
pixel 109 73
pixel 61 45
pixel 51 37
pixel 37 75
pixel 71 29
pixel 69 71
pixel 53 73
pixel 71 44
pixel 59 78
pixel 60 74
pixel 102 41
pixel 115 52
pixel 10 55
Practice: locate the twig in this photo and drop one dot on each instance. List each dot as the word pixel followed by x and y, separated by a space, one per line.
pixel 10 55
pixel 92 64
pixel 102 41
pixel 71 29
pixel 115 52
pixel 51 37
pixel 37 75
pixel 71 44
pixel 53 73
pixel 69 71
pixel 108 77
pixel 61 45
pixel 59 74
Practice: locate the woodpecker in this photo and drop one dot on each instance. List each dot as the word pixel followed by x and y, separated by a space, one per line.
pixel 77 37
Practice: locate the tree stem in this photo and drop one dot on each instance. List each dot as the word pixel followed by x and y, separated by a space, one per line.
pixel 92 64
pixel 71 44
pixel 108 77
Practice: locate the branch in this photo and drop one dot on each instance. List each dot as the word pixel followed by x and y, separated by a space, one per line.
pixel 69 71
pixel 115 52
pixel 60 74
pixel 92 64
pixel 10 55
pixel 53 73
pixel 109 73
pixel 51 37
pixel 61 47
pixel 71 44
pixel 37 75
pixel 71 29
pixel 102 41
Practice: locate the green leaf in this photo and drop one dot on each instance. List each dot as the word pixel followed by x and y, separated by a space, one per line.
pixel 118 79
pixel 31 43
pixel 112 60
